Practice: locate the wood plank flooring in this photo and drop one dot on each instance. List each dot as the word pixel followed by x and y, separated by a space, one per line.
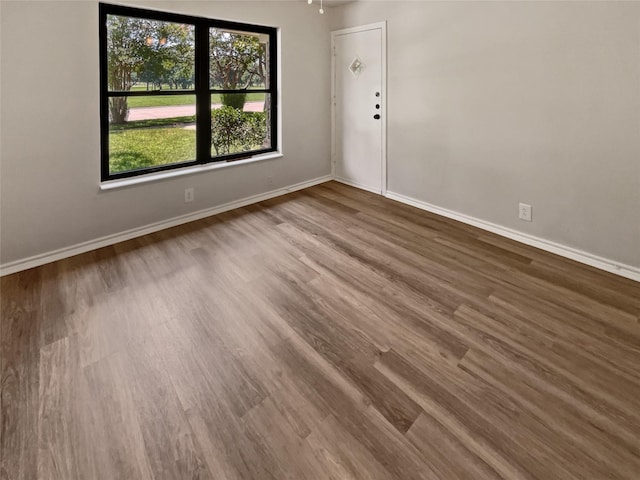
pixel 326 334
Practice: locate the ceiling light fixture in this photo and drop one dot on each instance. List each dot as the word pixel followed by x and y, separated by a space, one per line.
pixel 321 9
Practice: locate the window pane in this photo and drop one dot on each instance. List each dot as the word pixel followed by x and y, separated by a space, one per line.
pixel 149 54
pixel 238 60
pixel 148 136
pixel 236 129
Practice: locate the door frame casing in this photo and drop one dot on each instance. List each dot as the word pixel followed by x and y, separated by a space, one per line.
pixel 382 26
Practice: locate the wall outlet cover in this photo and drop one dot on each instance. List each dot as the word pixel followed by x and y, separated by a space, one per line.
pixel 525 212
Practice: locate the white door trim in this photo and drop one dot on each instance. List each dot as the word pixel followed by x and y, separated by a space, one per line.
pixel 362 28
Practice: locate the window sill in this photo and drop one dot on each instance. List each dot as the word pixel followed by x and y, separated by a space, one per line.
pixel 153 177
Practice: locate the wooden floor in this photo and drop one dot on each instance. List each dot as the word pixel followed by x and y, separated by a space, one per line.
pixel 327 334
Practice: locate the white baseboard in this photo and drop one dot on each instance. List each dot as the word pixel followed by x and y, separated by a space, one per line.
pixel 357 185
pixel 602 263
pixel 581 256
pixel 48 257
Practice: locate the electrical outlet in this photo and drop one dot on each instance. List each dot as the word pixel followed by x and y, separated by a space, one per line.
pixel 188 195
pixel 525 212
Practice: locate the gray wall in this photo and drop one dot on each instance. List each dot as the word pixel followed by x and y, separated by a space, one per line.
pixel 490 104
pixel 50 124
pixel 495 103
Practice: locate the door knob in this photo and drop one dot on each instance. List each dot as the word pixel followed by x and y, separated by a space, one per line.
pixel 377 116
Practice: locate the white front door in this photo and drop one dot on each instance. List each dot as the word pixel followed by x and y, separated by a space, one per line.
pixel 358 96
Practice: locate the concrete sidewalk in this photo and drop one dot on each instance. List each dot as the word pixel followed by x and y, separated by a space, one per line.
pixel 149 113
